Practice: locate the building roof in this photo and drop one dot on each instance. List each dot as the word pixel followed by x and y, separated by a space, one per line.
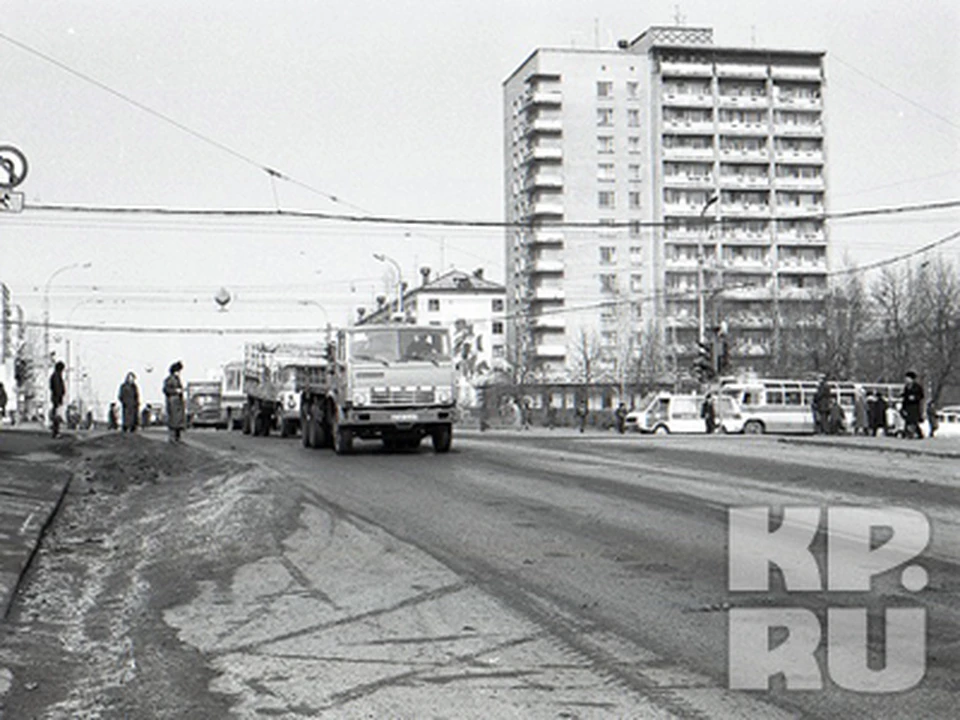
pixel 452 282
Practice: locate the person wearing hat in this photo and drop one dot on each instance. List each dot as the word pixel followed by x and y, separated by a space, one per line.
pixel 176 411
pixel 58 391
pixel 911 409
pixel 129 397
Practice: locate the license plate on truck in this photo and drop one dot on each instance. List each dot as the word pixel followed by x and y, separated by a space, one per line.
pixel 404 417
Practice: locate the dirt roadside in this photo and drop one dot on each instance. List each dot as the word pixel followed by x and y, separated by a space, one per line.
pixel 143 522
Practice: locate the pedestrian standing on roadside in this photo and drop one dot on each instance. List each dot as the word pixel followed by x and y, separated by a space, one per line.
pixel 58 391
pixel 176 412
pixel 621 418
pixel 129 397
pixel 932 416
pixel 860 420
pixel 821 406
pixel 526 413
pixel 708 411
pixel 911 408
pixel 112 422
pixel 582 415
pixel 3 402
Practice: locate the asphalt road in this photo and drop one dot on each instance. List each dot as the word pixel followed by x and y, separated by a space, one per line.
pixel 615 550
pixel 522 575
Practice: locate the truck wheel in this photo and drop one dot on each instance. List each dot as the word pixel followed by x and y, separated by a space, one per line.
pixel 342 438
pixel 306 437
pixel 246 422
pixel 442 439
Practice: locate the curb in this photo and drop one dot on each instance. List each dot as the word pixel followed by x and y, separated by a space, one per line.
pixel 35 547
pixel 944 454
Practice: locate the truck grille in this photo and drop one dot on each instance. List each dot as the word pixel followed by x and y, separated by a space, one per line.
pixel 401 396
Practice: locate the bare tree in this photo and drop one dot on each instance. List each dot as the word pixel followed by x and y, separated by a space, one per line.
pixel 588 356
pixel 937 307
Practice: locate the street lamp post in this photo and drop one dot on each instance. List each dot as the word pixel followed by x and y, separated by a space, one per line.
pixel 386 258
pixel 46 323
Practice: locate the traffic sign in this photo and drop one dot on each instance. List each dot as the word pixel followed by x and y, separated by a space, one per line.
pixel 13 167
pixel 11 201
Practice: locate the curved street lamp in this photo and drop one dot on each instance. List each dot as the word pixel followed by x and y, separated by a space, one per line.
pixel 46 324
pixel 386 258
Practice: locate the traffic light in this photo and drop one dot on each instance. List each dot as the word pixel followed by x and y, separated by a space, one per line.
pixel 704 365
pixel 723 356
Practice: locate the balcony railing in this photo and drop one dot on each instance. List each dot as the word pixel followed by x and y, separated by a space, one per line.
pixel 698 127
pixel 687 99
pixel 546 267
pixel 743 128
pixel 799 183
pixel 743 70
pixel 686 69
pixel 800 156
pixel 549 322
pixel 741 180
pixel 784 72
pixel 798 130
pixel 544 180
pixel 552 350
pixel 546 207
pixel 547 237
pixel 745 209
pixel 681 180
pixel 688 153
pixel 548 294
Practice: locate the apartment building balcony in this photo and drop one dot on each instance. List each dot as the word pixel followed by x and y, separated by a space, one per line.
pixel 744 237
pixel 801 236
pixel 687 153
pixel 745 210
pixel 546 238
pixel 814 130
pixel 550 350
pixel 743 101
pixel 800 157
pixel 548 294
pixel 802 293
pixel 686 99
pixel 544 152
pixel 748 292
pixel 741 70
pixel 800 183
pixel 799 211
pixel 797 103
pixel 750 267
pixel 674 68
pixel 793 266
pixel 681 321
pixel 682 262
pixel 688 181
pixel 751 350
pixel 747 321
pixel 741 180
pixel 743 128
pixel 545 323
pixel 546 267
pixel 551 98
pixel 731 153
pixel 544 126
pixel 546 208
pixel 539 180
pixel 698 234
pixel 788 72
pixel 682 209
pixel 692 127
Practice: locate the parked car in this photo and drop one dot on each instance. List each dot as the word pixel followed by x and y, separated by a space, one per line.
pixel 948 421
pixel 668 413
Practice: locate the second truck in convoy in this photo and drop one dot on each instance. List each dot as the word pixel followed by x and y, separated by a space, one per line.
pixel 273 378
pixel 391 382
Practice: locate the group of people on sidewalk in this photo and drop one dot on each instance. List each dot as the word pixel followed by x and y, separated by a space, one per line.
pixel 129 398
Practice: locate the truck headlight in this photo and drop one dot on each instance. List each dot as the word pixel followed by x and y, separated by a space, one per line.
pixel 444 394
pixel 361 397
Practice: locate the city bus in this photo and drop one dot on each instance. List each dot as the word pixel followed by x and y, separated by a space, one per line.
pixel 772 405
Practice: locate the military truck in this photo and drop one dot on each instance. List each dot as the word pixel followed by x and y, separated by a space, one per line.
pixel 274 377
pixel 391 382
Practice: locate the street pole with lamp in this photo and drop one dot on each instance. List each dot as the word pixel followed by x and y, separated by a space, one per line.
pixel 326 315
pixel 46 325
pixel 386 258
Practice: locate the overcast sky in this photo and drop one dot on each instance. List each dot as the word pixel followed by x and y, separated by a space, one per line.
pixel 394 108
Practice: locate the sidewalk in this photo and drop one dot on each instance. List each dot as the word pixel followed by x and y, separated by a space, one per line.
pixel 948 448
pixel 33 482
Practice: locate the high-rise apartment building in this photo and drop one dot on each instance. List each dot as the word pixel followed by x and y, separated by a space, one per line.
pixel 645 181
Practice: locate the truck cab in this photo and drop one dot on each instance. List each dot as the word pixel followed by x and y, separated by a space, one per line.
pixel 391 382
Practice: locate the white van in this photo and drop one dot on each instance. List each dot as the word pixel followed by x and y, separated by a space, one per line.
pixel 668 413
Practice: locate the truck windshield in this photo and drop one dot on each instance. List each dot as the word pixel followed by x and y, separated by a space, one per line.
pixel 400 345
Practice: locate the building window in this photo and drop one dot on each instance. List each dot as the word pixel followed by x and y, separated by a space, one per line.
pixel 498 351
pixel 634 198
pixel 634 229
pixel 608 283
pixel 497 305
pixel 433 304
pixel 606 199
pixel 605 117
pixel 606 172
pixel 636 255
pixel 608 255
pixel 636 282
pixel 633 89
pixel 633 145
pixel 633 172
pixel 608 338
pixel 604 89
pixel 605 144
pixel 497 327
pixel 633 118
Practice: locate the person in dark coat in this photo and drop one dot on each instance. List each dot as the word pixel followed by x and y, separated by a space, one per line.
pixel 821 406
pixel 582 415
pixel 876 413
pixel 58 391
pixel 931 417
pixel 129 397
pixel 621 418
pixel 3 401
pixel 112 423
pixel 911 409
pixel 176 411
pixel 708 411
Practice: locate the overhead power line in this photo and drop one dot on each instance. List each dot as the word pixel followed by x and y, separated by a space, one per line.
pixel 271 172
pixel 158 211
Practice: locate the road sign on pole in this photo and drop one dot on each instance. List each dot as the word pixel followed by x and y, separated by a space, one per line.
pixel 11 201
pixel 13 167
